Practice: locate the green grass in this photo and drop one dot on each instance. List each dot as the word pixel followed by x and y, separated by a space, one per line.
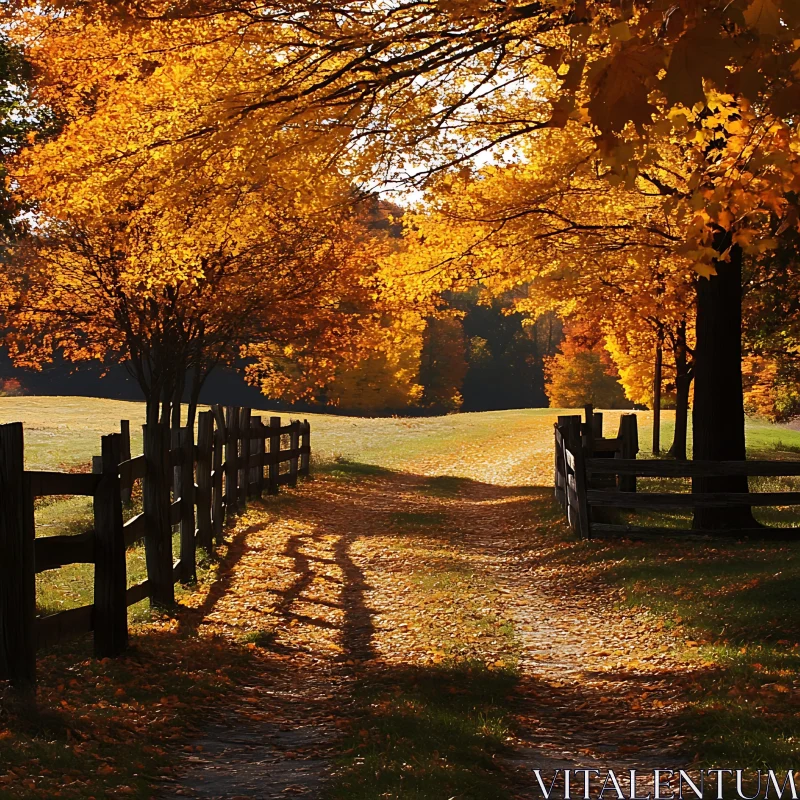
pixel 738 607
pixel 73 586
pixel 344 469
pixel 429 733
pixel 442 486
pixel 433 731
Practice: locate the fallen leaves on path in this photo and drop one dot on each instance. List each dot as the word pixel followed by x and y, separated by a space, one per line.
pixel 340 614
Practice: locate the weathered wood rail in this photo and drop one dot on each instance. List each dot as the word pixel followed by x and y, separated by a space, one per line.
pixel 591 479
pixel 184 484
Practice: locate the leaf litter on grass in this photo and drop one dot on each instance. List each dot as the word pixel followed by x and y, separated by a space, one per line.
pixel 428 633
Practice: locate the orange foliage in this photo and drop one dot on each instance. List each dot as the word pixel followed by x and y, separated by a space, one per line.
pixel 582 372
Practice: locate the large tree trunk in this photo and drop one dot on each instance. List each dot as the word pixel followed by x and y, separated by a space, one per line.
pixel 718 413
pixel 152 407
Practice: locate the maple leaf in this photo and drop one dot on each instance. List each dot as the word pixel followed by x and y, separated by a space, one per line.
pixel 699 53
pixel 764 16
pixel 621 85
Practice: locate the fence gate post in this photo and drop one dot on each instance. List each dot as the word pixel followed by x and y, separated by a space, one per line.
pixel 244 463
pixel 294 447
pixel 588 429
pixel 110 573
pixel 175 472
pixel 571 433
pixel 205 444
pixel 158 531
pixel 231 460
pixel 126 487
pixel 188 568
pixel 17 568
pixel 305 449
pixel 274 453
pixel 560 478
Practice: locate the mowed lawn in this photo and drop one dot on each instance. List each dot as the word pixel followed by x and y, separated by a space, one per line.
pixel 64 433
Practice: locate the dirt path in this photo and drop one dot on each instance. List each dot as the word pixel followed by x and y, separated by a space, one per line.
pixel 363 575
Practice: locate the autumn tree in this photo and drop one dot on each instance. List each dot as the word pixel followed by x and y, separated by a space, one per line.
pixel 443 363
pixel 176 270
pixel 551 235
pixel 696 100
pixel 100 289
pixel 386 377
pixel 582 373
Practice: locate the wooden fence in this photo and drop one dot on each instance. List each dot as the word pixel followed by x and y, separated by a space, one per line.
pixel 194 485
pixel 594 476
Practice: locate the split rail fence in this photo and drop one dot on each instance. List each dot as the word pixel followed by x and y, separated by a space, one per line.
pixel 194 485
pixel 596 477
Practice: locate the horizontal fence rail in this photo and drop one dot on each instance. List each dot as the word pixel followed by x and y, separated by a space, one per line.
pixel 693 469
pixel 196 486
pixel 596 477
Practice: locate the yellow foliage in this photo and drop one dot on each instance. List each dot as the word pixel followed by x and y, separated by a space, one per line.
pixel 386 378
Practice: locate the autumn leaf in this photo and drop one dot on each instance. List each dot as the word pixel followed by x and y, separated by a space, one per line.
pixel 621 85
pixel 764 16
pixel 700 53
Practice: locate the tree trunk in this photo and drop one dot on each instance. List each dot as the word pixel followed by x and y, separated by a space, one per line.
pixel 718 413
pixel 197 384
pixel 657 372
pixel 166 404
pixel 683 384
pixel 152 407
pixel 177 397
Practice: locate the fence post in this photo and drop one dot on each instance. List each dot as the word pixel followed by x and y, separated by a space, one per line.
pixel 244 464
pixel 559 473
pixel 231 460
pixel 218 507
pixel 274 453
pixel 294 447
pixel 17 567
pixel 597 425
pixel 584 523
pixel 257 472
pixel 110 573
pixel 126 482
pixel 158 531
pixel 205 444
pixel 571 432
pixel 188 568
pixel 629 436
pixel 587 428
pixel 175 473
pixel 305 449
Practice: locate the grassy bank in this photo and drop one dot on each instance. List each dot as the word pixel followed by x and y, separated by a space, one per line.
pixel 734 611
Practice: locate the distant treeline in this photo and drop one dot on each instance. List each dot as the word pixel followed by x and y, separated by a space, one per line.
pixel 479 359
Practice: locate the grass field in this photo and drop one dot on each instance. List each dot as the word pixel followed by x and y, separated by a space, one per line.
pixel 64 432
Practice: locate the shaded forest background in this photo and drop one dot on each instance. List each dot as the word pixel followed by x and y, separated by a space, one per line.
pixel 490 358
